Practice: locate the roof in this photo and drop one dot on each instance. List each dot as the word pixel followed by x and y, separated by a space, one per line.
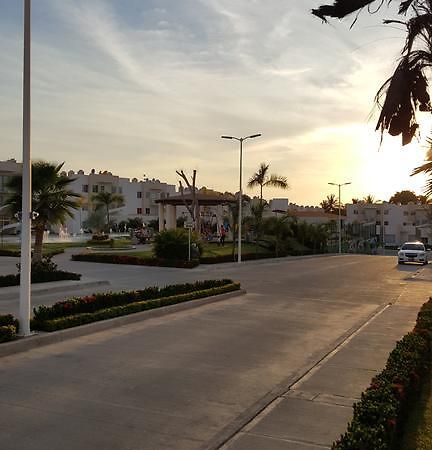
pixel 210 199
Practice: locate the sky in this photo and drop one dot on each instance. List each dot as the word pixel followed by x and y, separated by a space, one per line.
pixel 143 88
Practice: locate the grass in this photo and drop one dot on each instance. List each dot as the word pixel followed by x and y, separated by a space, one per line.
pixel 216 250
pixel 417 433
pixel 58 246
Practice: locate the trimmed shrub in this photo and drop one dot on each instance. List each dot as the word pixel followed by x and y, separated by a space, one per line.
pixel 108 258
pixel 79 311
pixel 174 245
pixel 41 272
pixel 380 414
pixel 100 237
pixel 9 327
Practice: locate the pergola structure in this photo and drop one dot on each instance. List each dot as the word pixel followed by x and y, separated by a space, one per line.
pixel 168 206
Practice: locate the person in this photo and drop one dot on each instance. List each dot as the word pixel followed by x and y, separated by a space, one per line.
pixel 222 234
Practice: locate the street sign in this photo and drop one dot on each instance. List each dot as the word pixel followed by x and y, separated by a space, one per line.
pixel 189 225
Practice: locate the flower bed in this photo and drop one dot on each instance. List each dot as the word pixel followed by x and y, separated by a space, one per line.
pixel 92 308
pixel 8 328
pixel 133 260
pixel 380 414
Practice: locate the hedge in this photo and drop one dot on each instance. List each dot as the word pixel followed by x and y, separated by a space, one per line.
pixel 17 253
pixel 133 260
pixel 79 311
pixel 379 416
pixel 9 327
pixel 39 277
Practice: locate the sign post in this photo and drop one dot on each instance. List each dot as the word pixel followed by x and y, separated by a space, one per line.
pixel 189 226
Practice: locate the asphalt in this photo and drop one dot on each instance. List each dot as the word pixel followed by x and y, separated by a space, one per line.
pixel 275 369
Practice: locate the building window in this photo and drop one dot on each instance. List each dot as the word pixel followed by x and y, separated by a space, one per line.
pixel 377 222
pixel 85 188
pixel 113 190
pixel 386 212
pixel 405 213
pixel 386 222
pixel 355 211
pixel 147 211
pixel 120 190
pixel 139 210
pixel 377 211
pixel 139 194
pixel 95 189
pixel 102 188
pixel 404 224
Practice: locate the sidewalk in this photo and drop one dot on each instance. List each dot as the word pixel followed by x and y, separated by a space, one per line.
pixel 315 410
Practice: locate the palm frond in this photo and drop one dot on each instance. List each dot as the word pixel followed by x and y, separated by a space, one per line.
pixel 278 181
pixel 340 8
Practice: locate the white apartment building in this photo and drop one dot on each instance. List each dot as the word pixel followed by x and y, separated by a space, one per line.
pixel 139 196
pixel 392 224
pixel 8 169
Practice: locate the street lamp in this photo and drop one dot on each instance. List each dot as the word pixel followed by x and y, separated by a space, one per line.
pixel 241 189
pixel 339 221
pixel 25 275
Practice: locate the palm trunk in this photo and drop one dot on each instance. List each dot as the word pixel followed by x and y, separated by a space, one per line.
pixel 37 253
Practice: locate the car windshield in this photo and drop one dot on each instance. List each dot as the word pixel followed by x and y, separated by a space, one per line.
pixel 413 247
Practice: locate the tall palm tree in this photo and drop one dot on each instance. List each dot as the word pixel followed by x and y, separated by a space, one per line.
pixel 330 204
pixel 261 178
pixel 426 168
pixel 406 91
pixel 51 199
pixel 106 200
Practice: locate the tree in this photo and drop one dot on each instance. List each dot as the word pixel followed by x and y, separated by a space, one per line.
pixel 406 91
pixel 403 197
pixel 51 199
pixel 369 199
pixel 193 206
pixel 261 178
pixel 95 221
pixel 105 201
pixel 279 228
pixel 330 204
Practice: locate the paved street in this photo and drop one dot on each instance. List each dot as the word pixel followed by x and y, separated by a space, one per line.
pixel 195 379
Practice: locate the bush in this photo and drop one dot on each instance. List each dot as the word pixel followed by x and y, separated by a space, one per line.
pixel 134 260
pixel 100 237
pixel 9 327
pixel 380 414
pixel 174 244
pixel 78 311
pixel 41 272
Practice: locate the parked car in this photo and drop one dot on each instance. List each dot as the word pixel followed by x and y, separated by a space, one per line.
pixel 412 252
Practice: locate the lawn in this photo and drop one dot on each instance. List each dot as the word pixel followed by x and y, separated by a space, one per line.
pixel 418 429
pixel 217 250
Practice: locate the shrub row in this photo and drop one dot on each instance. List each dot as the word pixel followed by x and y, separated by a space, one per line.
pixel 95 302
pixel 380 414
pixel 39 277
pixel 8 328
pixel 68 321
pixel 133 260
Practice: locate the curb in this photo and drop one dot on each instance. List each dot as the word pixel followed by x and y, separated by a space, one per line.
pixel 42 338
pixel 43 288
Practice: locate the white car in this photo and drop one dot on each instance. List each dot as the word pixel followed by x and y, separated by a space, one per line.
pixel 412 252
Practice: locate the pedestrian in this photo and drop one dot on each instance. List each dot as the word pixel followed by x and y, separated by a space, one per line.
pixel 222 234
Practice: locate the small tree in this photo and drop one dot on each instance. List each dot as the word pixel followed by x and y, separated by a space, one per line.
pixel 330 204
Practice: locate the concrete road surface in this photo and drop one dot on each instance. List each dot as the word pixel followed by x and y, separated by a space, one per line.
pixel 190 380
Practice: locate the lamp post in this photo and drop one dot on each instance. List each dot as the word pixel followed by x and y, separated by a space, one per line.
pixel 25 275
pixel 241 188
pixel 339 221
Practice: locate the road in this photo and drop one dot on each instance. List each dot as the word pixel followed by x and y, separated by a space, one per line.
pixel 185 380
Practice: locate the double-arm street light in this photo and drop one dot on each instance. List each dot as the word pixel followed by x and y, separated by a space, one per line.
pixel 339 221
pixel 241 189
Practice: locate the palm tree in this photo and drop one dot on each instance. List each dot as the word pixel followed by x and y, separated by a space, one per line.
pixel 369 199
pixel 51 199
pixel 406 91
pixel 261 178
pixel 330 204
pixel 105 200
